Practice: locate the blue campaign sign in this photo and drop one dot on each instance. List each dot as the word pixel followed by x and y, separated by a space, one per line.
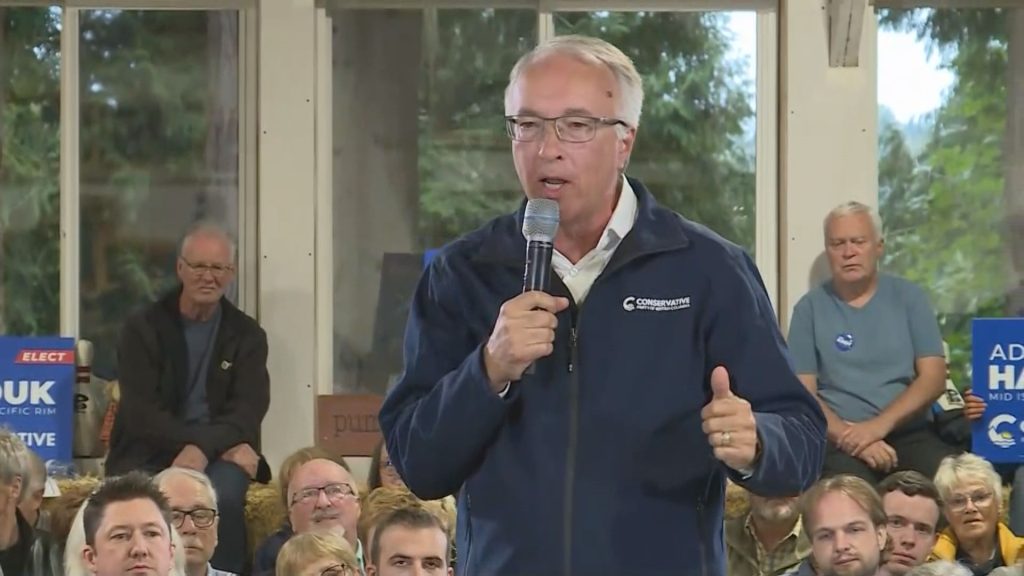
pixel 37 381
pixel 997 362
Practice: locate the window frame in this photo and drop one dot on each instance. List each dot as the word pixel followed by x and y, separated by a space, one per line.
pixel 70 122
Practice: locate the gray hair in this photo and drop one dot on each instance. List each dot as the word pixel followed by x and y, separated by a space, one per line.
pixel 941 568
pixel 207 228
pixel 853 207
pixel 35 474
pixel 14 461
pixel 955 470
pixel 196 476
pixel 591 51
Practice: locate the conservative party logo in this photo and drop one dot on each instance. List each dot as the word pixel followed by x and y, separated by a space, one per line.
pixel 632 303
pixel 1004 438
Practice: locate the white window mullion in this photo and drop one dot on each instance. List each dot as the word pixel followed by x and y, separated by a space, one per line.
pixel 766 211
pixel 70 189
pixel 545 25
pixel 248 257
pixel 324 241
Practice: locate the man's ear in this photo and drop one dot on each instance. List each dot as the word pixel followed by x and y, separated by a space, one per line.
pixel 89 556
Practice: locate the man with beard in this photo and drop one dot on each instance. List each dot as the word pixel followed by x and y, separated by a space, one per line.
pixel 911 504
pixel 194 513
pixel 844 518
pixel 767 541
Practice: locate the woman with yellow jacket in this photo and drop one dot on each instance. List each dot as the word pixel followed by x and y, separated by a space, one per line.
pixel 972 496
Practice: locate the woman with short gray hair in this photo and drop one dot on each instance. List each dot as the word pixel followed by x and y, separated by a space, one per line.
pixel 972 499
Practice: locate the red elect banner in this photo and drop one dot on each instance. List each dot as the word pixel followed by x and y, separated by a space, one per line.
pixel 45 357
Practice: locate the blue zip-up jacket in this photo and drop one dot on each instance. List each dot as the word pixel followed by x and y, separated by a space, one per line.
pixel 596 463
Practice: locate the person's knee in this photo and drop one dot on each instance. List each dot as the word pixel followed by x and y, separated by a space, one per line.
pixel 231 483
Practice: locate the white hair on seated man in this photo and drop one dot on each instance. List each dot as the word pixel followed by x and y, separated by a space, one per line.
pixel 74 563
pixel 941 568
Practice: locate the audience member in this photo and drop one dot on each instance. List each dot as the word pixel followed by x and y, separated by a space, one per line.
pixel 383 501
pixel 37 487
pixel 382 471
pixel 74 538
pixel 974 409
pixel 972 496
pixel 868 345
pixel 410 541
pixel 127 528
pixel 23 549
pixel 768 540
pixel 913 510
pixel 194 514
pixel 194 386
pixel 266 553
pixel 317 554
pixel 845 521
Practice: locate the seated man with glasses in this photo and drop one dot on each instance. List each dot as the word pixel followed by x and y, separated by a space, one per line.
pixel 322 497
pixel 193 503
pixel 194 386
pixel 972 496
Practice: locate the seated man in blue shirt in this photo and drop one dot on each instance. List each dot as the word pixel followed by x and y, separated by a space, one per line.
pixel 868 346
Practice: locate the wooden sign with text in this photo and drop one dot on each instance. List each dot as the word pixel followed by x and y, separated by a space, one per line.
pixel 346 424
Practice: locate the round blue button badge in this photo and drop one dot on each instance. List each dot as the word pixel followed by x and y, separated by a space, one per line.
pixel 844 342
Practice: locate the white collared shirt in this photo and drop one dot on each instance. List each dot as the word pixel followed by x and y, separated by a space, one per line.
pixel 580 277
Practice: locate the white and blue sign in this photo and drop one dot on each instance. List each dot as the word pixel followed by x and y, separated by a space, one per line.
pixel 997 353
pixel 37 381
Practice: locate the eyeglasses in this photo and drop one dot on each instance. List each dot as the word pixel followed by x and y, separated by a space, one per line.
pixel 334 492
pixel 567 128
pixel 338 570
pixel 201 517
pixel 958 502
pixel 217 270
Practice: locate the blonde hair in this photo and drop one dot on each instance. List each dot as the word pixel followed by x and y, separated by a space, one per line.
pixel 956 470
pixel 853 487
pixel 304 549
pixel 590 51
pixel 14 460
pixel 851 208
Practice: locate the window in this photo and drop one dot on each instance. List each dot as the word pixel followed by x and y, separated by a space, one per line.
pixel 695 147
pixel 30 170
pixel 951 162
pixel 420 154
pixel 158 150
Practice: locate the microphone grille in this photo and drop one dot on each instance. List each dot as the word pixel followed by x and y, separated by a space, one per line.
pixel 541 220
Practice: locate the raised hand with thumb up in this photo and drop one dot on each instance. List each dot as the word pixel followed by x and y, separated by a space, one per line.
pixel 729 424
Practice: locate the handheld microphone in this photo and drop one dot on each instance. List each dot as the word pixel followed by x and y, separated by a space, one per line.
pixel 540 224
pixel 539 227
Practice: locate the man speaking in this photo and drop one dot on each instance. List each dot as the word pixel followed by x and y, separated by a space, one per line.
pixel 589 431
